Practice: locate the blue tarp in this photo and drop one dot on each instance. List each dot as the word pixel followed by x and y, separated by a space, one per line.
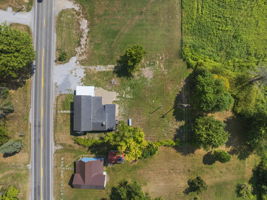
pixel 90 159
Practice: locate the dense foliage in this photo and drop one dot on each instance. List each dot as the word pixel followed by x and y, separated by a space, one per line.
pixel 197 185
pixel 259 180
pixel 209 132
pixel 6 106
pixel 16 53
pixel 209 92
pixel 129 191
pixel 230 32
pixel 221 156
pixel 150 150
pixel 11 193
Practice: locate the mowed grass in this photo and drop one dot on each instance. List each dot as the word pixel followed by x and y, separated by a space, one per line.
pixel 164 175
pixel 115 25
pixel 18 5
pixel 68 32
pixel 14 170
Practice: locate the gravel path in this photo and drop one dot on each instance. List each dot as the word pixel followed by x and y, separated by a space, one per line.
pixel 9 16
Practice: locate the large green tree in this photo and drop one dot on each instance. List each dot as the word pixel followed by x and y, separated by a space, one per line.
pixel 209 94
pixel 16 53
pixel 129 191
pixel 127 139
pixel 209 132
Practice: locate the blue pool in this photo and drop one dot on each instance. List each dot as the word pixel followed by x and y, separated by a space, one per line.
pixel 90 159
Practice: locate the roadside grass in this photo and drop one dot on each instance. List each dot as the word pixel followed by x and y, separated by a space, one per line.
pixel 14 170
pixel 18 5
pixel 68 33
pixel 21 27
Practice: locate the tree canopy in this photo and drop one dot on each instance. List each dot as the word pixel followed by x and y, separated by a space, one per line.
pixel 129 191
pixel 16 53
pixel 127 139
pixel 11 193
pixel 209 132
pixel 209 94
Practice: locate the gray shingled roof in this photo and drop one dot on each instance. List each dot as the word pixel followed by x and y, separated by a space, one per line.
pixel 91 115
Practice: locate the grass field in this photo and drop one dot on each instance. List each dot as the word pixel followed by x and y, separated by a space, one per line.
pixel 225 31
pixel 68 32
pixel 17 5
pixel 14 170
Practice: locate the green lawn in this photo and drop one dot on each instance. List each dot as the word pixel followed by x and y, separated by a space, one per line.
pixel 68 32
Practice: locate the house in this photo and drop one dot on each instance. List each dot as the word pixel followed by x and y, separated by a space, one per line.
pixel 90 115
pixel 89 174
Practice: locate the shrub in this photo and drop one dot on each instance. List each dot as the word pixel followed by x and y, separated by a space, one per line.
pixel 244 191
pixel 86 142
pixel 3 136
pixel 150 150
pixel 221 156
pixel 62 56
pixel 197 185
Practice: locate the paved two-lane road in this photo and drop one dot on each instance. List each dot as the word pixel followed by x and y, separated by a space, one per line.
pixel 42 102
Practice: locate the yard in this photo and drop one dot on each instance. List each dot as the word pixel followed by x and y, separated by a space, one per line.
pixel 149 99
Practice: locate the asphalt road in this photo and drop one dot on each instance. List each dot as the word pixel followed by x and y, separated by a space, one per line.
pixel 42 102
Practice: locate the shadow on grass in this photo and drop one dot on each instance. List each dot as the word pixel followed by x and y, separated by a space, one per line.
pixel 16 83
pixel 122 69
pixel 238 138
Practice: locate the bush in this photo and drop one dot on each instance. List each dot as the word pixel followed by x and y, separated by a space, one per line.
pixel 221 156
pixel 62 56
pixel 11 147
pixel 244 191
pixel 209 132
pixel 150 150
pixel 11 193
pixel 85 142
pixel 3 136
pixel 197 185
pixel 168 143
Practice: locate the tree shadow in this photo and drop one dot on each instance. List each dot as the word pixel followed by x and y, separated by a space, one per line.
pixel 122 69
pixel 238 138
pixel 208 159
pixel 15 83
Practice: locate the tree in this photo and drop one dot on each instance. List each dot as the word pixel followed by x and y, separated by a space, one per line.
pixel 209 132
pixel 221 156
pixel 128 63
pixel 11 147
pixel 209 94
pixel 16 53
pixel 6 106
pixel 244 191
pixel 3 136
pixel 259 180
pixel 129 191
pixel 197 185
pixel 11 193
pixel 127 139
